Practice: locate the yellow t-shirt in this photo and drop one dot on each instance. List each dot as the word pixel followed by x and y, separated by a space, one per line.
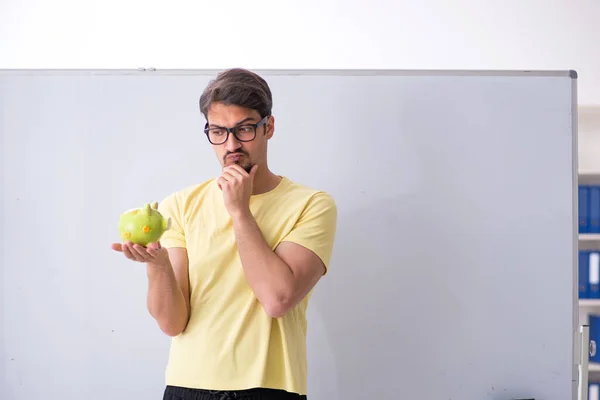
pixel 230 342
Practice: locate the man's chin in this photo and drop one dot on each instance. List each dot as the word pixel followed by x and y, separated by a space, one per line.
pixel 246 166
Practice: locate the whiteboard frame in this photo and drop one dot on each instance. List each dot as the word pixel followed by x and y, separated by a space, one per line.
pixel 290 72
pixel 580 333
pixel 577 338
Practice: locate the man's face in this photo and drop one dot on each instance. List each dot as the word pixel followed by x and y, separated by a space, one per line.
pixel 233 151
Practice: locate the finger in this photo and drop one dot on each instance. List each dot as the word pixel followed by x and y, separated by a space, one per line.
pixel 128 251
pixel 224 178
pixel 117 247
pixel 153 249
pixel 229 179
pixel 141 253
pixel 153 246
pixel 233 175
pixel 253 170
pixel 221 182
pixel 236 170
pixel 154 254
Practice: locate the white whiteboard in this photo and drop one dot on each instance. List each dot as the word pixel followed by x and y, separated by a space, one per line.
pixel 453 274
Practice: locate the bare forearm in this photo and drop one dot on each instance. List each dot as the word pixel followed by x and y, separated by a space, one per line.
pixel 166 302
pixel 267 274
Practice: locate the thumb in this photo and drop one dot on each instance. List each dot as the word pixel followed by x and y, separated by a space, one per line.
pixel 117 247
pixel 253 170
pixel 154 246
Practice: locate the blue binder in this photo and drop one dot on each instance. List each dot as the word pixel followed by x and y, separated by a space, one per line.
pixel 584 209
pixel 593 289
pixel 584 274
pixel 594 209
pixel 594 322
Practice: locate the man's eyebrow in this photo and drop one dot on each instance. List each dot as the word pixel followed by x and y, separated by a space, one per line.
pixel 236 124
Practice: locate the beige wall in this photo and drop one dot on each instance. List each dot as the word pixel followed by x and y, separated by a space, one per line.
pixel 589 139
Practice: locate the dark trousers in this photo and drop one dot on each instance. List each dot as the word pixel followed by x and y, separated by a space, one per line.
pixel 180 393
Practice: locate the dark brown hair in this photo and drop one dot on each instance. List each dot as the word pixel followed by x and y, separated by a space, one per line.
pixel 238 87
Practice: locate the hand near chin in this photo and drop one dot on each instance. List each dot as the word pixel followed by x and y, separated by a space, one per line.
pixel 237 185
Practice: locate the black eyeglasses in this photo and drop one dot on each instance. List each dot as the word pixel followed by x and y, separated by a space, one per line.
pixel 243 133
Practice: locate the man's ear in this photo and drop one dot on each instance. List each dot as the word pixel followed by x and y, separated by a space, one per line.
pixel 270 127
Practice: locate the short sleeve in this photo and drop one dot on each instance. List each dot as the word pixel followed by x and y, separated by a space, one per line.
pixel 175 235
pixel 316 227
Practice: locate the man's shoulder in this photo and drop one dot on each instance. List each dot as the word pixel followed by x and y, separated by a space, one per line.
pixel 309 195
pixel 181 198
pixel 301 189
pixel 195 189
pixel 315 222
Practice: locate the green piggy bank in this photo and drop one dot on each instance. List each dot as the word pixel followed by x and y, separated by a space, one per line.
pixel 143 225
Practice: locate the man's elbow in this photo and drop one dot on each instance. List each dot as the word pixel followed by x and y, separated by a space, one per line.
pixel 171 332
pixel 276 310
pixel 278 306
pixel 172 329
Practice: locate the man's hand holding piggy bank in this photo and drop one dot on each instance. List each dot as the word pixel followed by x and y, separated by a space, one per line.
pixel 140 229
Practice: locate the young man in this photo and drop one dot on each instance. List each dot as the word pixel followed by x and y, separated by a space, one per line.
pixel 230 281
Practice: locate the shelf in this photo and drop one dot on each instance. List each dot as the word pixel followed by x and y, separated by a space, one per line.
pixel 589 303
pixel 589 237
pixel 588 178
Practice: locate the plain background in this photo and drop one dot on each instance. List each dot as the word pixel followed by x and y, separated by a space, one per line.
pixel 404 34
pixel 428 34
pixel 473 34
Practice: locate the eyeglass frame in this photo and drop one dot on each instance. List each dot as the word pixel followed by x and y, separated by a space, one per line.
pixel 232 130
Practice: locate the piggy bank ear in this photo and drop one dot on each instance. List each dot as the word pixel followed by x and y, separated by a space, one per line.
pixel 155 205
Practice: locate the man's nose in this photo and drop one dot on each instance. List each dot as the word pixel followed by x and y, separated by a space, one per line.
pixel 232 143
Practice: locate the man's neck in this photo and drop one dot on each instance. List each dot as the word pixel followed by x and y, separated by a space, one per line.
pixel 265 181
